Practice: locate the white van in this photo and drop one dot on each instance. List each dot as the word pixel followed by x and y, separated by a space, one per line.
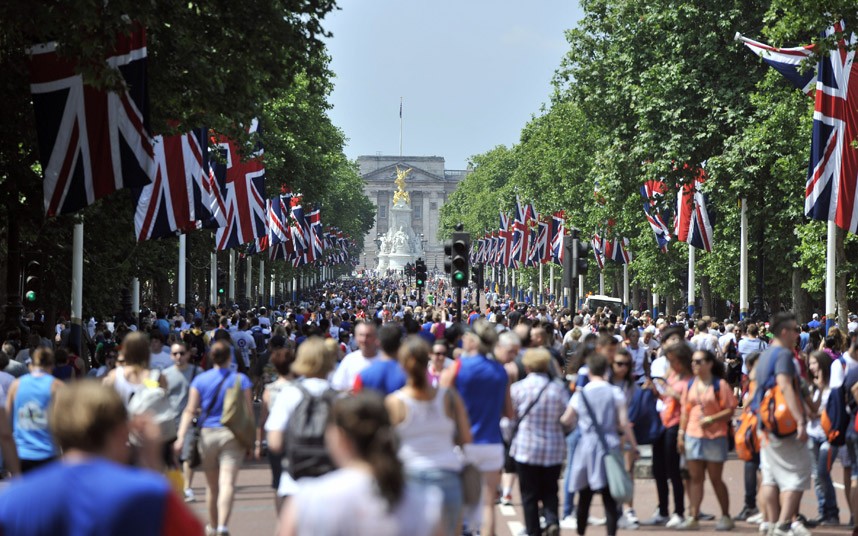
pixel 595 301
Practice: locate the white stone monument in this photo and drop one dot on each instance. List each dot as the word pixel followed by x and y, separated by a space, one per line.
pixel 400 245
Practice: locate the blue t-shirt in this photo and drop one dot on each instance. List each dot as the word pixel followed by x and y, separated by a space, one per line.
pixel 92 497
pixel 207 385
pixel 383 375
pixel 30 417
pixel 481 383
pixel 473 317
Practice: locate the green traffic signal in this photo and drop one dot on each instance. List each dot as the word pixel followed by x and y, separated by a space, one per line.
pixel 220 291
pixel 30 296
pixel 459 276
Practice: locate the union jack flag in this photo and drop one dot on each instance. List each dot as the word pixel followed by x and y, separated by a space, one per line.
pixel 505 242
pixel 653 194
pixel 300 229
pixel 543 242
pixel 91 142
pixel 278 219
pixel 621 253
pixel 790 62
pixel 599 245
pixel 242 185
pixel 558 231
pixel 181 197
pixel 692 224
pixel 832 179
pixel 314 226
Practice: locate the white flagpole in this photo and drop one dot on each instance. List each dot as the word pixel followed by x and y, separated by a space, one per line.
pixel 655 304
pixel 400 127
pixel 262 281
pixel 213 280
pixel 273 288
pixel 77 289
pixel 626 287
pixel 183 248
pixel 691 281
pixel 231 276
pixel 248 284
pixel 743 259
pixel 551 279
pixel 601 282
pixel 830 277
pixel 540 282
pixel 580 289
pixel 135 298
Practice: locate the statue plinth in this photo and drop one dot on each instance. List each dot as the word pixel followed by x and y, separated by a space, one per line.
pixel 400 245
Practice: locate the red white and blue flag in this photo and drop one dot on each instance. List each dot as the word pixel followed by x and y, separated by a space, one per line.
pixel 621 253
pixel 91 142
pixel 832 180
pixel 790 62
pixel 505 241
pixel 599 246
pixel 181 197
pixel 558 231
pixel 656 215
pixel 242 185
pixel 692 223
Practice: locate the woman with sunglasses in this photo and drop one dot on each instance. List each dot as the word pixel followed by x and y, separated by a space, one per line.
pixel 707 406
pixel 623 378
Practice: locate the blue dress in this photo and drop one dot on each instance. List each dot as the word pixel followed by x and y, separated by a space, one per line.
pixel 588 466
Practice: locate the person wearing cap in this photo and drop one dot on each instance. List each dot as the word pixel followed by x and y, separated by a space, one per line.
pixel 815 323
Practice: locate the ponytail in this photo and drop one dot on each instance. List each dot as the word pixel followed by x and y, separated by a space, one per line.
pixel 363 419
pixel 414 359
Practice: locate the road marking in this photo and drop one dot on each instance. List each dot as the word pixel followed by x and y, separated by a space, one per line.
pixel 507 510
pixel 515 527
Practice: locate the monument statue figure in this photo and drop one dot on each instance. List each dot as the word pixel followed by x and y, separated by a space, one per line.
pixel 401 175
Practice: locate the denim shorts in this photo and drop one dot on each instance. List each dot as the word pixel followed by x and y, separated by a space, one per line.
pixel 710 450
pixel 450 484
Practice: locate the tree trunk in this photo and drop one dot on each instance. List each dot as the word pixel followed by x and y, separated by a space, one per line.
pixel 800 298
pixel 840 291
pixel 706 308
pixel 668 304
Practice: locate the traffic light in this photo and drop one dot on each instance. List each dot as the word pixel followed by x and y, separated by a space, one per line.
pixel 421 273
pixel 32 281
pixel 459 259
pixel 580 263
pixel 477 275
pixel 221 282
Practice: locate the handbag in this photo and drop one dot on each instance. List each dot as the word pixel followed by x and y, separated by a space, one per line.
pixel 237 416
pixel 194 440
pixel 620 484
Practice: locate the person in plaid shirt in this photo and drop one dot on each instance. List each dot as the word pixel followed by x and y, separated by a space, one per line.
pixel 539 446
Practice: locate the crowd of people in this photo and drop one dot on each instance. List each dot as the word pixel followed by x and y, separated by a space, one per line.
pixel 379 413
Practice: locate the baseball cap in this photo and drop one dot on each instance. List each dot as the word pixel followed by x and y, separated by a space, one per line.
pixel 815 316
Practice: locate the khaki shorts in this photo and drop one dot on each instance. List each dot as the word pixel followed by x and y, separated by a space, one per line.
pixel 219 447
pixel 786 463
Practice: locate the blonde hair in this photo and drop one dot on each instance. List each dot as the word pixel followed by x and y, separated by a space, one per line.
pixel 536 359
pixel 98 411
pixel 136 350
pixel 314 360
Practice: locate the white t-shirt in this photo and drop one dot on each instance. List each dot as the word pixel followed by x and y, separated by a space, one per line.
pixel 838 373
pixel 281 409
pixel 161 360
pixel 658 368
pixel 361 510
pixel 343 379
pixel 638 355
pixel 705 341
pixel 244 343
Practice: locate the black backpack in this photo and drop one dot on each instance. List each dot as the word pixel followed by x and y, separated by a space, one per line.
pixel 304 453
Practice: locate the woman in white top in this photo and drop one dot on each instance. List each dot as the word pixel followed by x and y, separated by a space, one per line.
pixel 430 422
pixel 368 494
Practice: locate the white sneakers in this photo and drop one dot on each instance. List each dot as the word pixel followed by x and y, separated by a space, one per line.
pixel 724 524
pixel 569 523
pixel 189 495
pixel 628 521
pixel 675 521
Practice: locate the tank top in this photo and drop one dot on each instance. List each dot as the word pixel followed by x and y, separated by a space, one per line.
pixel 125 388
pixel 426 434
pixel 481 383
pixel 30 414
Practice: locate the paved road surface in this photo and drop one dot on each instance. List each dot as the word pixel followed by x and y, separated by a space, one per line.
pixel 254 511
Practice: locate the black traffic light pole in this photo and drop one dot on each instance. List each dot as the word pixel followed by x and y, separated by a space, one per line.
pixel 456 264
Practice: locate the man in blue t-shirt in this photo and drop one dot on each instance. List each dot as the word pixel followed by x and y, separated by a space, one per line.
pixel 384 375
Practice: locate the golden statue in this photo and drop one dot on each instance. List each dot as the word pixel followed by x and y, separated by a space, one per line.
pixel 400 183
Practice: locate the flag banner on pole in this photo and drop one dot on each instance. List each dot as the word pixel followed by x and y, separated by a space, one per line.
pixel 598 250
pixel 505 241
pixel 621 253
pixel 180 198
pixel 653 194
pixel 790 62
pixel 692 223
pixel 91 142
pixel 557 232
pixel 242 185
pixel 832 178
pixel 314 227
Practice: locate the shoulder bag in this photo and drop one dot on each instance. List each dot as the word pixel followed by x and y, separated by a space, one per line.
pixel 237 416
pixel 620 484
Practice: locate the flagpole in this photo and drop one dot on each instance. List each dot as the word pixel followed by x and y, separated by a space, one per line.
pixel 294 289
pixel 655 304
pixel 830 277
pixel 273 288
pixel 213 280
pixel 400 127
pixel 231 295
pixel 580 298
pixel 743 259
pixel 135 298
pixel 626 287
pixel 691 281
pixel 76 337
pixel 248 284
pixel 550 280
pixel 262 281
pixel 540 282
pixel 183 249
pixel 601 282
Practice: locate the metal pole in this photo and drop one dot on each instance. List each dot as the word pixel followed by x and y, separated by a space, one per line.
pixel 540 283
pixel 458 296
pixel 830 277
pixel 232 276
pixel 551 280
pixel 294 289
pixel 581 288
pixel 262 281
pixel 626 288
pixel 213 280
pixel 135 298
pixel 743 259
pixel 601 283
pixel 691 281
pixel 273 289
pixel 655 304
pixel 76 336
pixel 182 290
pixel 248 284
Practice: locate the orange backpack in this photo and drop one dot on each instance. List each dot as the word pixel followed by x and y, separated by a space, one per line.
pixel 774 412
pixel 746 438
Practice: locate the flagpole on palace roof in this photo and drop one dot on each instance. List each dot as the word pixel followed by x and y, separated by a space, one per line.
pixel 400 127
